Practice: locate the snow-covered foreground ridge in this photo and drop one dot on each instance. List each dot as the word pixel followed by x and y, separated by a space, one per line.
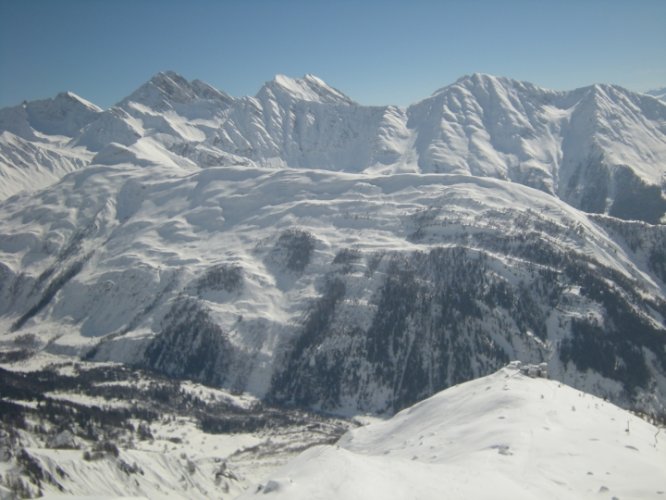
pixel 502 436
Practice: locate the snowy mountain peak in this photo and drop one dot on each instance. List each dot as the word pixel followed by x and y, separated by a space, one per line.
pixel 206 91
pixel 606 91
pixel 168 76
pixel 481 79
pixel 161 89
pixel 75 99
pixel 309 88
pixel 168 89
pixel 65 114
pixel 496 91
pixel 528 89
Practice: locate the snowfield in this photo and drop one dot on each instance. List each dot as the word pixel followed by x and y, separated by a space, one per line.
pixel 502 436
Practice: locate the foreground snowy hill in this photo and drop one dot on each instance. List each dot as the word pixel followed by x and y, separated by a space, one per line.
pixel 502 436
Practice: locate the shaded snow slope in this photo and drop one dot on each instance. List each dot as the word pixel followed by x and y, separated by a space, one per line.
pixel 34 141
pixel 309 88
pixel 502 436
pixel 658 93
pixel 30 165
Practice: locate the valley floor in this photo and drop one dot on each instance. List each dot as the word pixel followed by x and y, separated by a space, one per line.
pixel 82 430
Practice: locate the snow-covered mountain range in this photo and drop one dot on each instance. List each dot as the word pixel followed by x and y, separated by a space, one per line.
pixel 314 251
pixel 599 148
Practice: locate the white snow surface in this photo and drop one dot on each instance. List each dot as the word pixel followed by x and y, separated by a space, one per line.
pixel 502 436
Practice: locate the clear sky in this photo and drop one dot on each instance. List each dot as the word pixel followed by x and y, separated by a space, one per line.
pixel 377 52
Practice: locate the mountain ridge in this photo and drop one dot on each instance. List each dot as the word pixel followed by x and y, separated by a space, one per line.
pixel 578 145
pixel 659 93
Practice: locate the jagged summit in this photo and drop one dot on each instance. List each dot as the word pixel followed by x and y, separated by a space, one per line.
pixel 71 96
pixel 160 89
pixel 600 148
pixel 482 79
pixel 65 114
pixel 308 88
pixel 486 82
pixel 168 88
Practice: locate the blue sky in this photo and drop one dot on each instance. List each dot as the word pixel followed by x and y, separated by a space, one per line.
pixel 377 52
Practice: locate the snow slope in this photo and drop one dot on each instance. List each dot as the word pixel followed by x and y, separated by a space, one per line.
pixel 658 93
pixel 259 279
pixel 30 165
pixel 502 436
pixel 34 137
